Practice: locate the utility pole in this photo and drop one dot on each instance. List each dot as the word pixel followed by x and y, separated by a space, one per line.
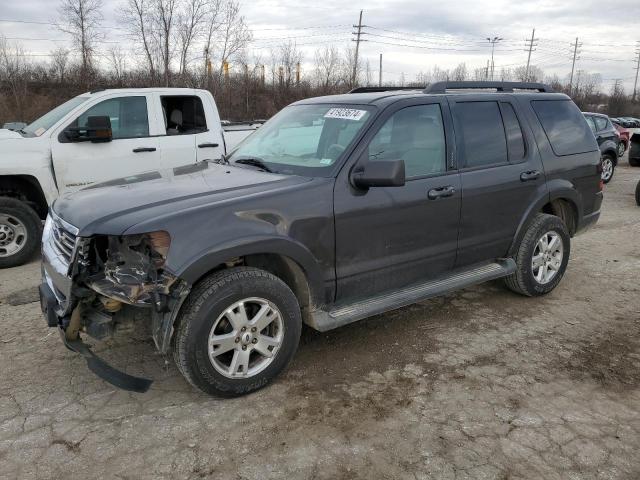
pixel 635 84
pixel 357 40
pixel 573 64
pixel 493 42
pixel 380 73
pixel 530 44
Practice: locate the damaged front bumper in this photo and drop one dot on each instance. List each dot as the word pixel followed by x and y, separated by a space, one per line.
pixel 92 288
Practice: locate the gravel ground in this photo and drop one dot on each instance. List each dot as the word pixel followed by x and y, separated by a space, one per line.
pixel 481 384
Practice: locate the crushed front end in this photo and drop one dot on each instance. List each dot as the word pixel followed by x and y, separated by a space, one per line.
pixel 104 283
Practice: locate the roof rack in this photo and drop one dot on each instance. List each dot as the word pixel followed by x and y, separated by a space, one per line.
pixel 381 89
pixel 442 87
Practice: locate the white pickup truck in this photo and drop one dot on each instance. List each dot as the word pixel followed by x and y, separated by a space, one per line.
pixel 99 136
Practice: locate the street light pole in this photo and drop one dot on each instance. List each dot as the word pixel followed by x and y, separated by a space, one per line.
pixel 493 42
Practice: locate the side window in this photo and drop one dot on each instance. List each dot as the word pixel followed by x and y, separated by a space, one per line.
pixel 601 123
pixel 128 116
pixel 183 115
pixel 513 130
pixel 591 123
pixel 415 135
pixel 483 134
pixel 565 127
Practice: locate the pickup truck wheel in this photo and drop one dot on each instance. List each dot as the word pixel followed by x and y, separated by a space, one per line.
pixel 608 167
pixel 542 257
pixel 238 329
pixel 20 232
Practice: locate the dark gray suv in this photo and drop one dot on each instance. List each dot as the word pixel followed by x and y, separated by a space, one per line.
pixel 337 209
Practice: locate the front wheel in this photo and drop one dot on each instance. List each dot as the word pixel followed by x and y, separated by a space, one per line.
pixel 608 166
pixel 20 232
pixel 542 257
pixel 238 329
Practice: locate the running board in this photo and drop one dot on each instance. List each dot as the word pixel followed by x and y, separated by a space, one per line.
pixel 344 314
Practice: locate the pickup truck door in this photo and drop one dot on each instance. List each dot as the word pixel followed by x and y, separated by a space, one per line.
pixel 190 129
pixel 501 173
pixel 132 150
pixel 390 237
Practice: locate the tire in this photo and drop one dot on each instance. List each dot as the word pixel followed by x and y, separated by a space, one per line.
pixel 20 232
pixel 609 166
pixel 206 315
pixel 524 281
pixel 638 194
pixel 621 149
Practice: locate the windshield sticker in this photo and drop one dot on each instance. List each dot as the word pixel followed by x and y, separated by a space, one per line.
pixel 345 113
pixel 39 132
pixel 326 161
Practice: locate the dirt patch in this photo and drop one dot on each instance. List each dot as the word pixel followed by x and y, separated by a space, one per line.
pixel 22 297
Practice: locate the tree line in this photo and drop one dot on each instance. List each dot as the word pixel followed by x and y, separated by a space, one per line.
pixel 206 44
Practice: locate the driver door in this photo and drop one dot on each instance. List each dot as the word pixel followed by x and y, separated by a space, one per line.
pixel 132 150
pixel 390 237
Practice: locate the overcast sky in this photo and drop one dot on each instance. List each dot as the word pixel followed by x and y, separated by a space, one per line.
pixel 412 35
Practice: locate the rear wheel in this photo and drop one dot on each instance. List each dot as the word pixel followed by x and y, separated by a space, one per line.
pixel 608 166
pixel 621 149
pixel 542 257
pixel 20 232
pixel 238 330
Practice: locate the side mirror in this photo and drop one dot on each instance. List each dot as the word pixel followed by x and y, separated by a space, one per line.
pixel 98 130
pixel 387 173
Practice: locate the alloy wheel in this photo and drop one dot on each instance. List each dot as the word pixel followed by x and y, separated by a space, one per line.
pixel 547 257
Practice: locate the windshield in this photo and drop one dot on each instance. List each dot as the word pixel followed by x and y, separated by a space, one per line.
pixel 50 118
pixel 303 139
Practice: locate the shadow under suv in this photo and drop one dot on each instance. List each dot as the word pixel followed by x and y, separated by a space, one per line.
pixel 337 209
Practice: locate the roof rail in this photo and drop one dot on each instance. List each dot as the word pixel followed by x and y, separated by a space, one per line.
pixel 442 87
pixel 381 89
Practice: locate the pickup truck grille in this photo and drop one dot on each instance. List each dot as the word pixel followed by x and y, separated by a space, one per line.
pixel 63 241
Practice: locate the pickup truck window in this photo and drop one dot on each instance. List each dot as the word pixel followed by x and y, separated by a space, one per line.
pixel 183 115
pixel 49 119
pixel 304 139
pixel 415 135
pixel 565 127
pixel 128 116
pixel 483 137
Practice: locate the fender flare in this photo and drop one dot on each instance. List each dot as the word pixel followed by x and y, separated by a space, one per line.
pixel 558 189
pixel 198 266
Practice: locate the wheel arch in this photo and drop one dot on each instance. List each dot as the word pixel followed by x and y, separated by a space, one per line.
pixel 25 188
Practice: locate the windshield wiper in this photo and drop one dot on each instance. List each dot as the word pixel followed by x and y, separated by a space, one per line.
pixel 254 162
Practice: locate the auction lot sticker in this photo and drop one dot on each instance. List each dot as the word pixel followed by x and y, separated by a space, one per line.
pixel 345 113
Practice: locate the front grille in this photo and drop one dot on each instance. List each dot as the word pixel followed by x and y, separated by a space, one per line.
pixel 63 240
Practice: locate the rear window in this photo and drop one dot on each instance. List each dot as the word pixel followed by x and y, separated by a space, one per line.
pixel 483 137
pixel 565 127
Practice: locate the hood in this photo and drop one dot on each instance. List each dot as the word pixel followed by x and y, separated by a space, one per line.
pixel 6 134
pixel 114 206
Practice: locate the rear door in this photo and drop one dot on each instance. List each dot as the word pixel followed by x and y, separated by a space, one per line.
pixel 501 174
pixel 389 237
pixel 133 148
pixel 190 128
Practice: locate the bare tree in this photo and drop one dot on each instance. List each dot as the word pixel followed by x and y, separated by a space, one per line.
pixel 327 68
pixel 164 13
pixel 460 73
pixel 117 60
pixel 191 24
pixel 137 15
pixel 81 19
pixel 14 72
pixel 213 24
pixel 60 63
pixel 234 34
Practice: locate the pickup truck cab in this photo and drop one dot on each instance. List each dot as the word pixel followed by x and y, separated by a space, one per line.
pixel 337 209
pixel 95 137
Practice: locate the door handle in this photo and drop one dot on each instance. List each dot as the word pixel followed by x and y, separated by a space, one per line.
pixel 207 145
pixel 441 192
pixel 144 149
pixel 530 175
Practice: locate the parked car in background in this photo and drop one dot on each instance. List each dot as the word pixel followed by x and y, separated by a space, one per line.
pixel 337 209
pixel 624 134
pixel 628 122
pixel 608 141
pixel 95 137
pixel 14 126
